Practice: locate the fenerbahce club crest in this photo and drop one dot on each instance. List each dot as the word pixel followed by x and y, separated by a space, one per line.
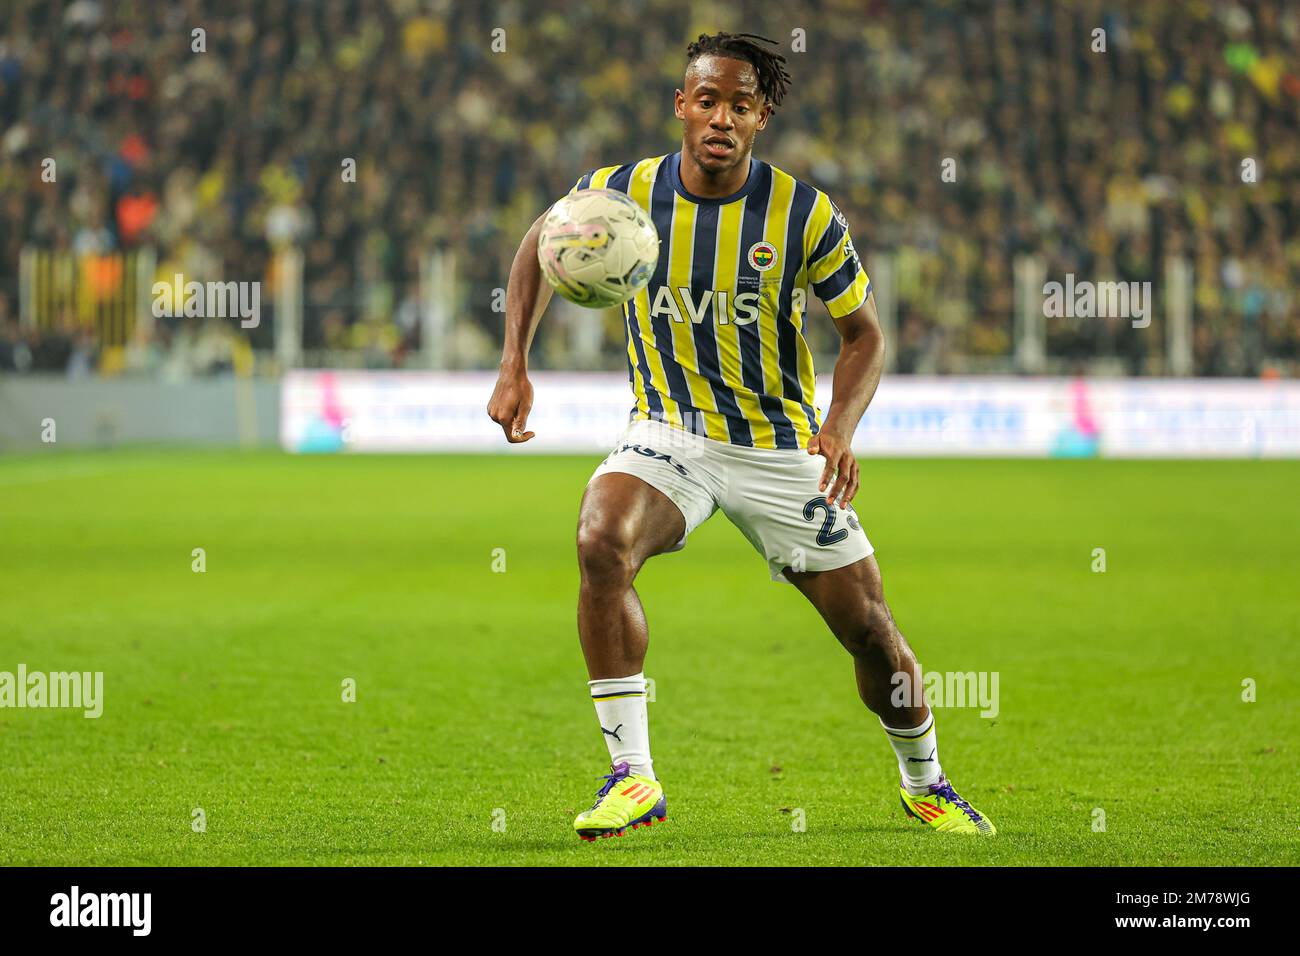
pixel 762 255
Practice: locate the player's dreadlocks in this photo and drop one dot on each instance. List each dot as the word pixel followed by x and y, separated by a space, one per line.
pixel 773 78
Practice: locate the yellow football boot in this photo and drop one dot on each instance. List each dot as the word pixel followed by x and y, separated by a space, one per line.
pixel 627 800
pixel 942 808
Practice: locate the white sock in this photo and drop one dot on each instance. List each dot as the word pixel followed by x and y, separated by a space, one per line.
pixel 620 706
pixel 917 750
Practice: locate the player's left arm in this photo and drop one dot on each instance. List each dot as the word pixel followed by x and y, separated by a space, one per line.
pixel 857 373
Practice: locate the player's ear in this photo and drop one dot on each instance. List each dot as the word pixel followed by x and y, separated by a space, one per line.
pixel 679 104
pixel 764 115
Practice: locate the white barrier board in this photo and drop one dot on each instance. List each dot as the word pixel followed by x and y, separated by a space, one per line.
pixel 375 411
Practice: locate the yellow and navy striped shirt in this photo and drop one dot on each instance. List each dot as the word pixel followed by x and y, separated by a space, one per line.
pixel 715 342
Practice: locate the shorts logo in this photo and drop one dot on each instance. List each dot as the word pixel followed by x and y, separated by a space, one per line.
pixel 762 255
pixel 649 453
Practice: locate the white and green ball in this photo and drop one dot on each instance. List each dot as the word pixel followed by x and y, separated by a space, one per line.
pixel 598 248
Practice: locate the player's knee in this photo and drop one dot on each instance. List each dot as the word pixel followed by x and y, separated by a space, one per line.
pixel 873 632
pixel 605 554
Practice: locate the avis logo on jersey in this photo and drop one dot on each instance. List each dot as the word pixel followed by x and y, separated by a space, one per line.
pixel 681 304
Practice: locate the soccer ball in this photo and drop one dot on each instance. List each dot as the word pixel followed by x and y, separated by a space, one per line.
pixel 598 248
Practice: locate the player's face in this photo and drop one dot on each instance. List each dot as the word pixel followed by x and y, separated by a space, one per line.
pixel 722 111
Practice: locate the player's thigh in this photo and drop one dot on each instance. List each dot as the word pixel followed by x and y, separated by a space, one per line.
pixel 622 513
pixel 651 491
pixel 850 599
pixel 775 499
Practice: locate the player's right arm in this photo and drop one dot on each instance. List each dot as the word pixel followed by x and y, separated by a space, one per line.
pixel 527 295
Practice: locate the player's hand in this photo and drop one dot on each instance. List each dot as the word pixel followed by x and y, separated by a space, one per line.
pixel 841 472
pixel 511 401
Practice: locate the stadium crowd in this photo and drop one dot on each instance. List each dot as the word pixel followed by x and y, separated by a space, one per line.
pixel 466 119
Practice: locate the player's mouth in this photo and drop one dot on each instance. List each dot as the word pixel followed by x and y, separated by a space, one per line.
pixel 719 146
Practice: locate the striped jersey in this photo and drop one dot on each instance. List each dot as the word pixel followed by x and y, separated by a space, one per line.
pixel 715 342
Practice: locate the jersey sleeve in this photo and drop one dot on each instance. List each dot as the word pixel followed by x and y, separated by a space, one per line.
pixel 584 182
pixel 834 270
pixel 606 176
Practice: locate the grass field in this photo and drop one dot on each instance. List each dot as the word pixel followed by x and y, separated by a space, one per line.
pixel 1119 690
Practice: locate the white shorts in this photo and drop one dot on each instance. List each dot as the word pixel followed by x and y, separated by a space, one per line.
pixel 771 495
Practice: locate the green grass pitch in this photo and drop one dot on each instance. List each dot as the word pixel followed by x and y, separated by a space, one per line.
pixel 223 690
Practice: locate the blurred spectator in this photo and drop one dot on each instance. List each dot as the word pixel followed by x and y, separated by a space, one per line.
pixel 1102 162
